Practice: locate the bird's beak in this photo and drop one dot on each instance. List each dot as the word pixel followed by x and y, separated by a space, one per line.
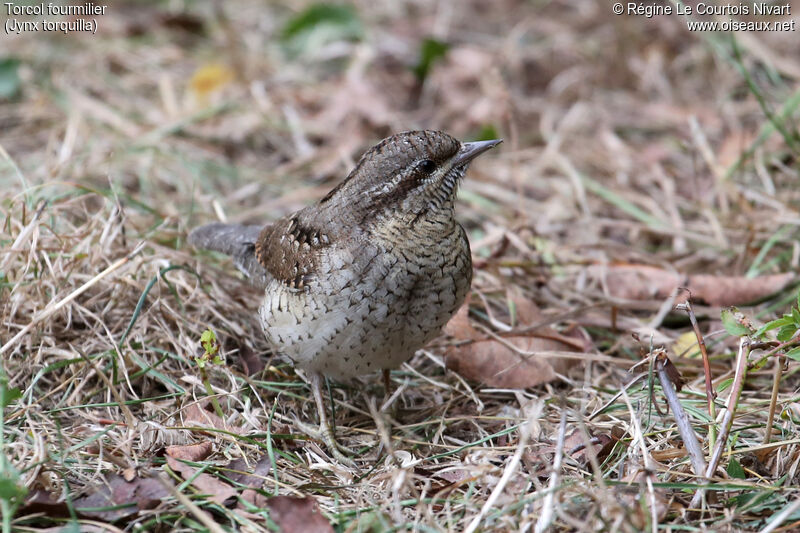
pixel 470 151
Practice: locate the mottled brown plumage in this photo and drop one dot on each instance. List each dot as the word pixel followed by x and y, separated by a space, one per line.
pixel 362 279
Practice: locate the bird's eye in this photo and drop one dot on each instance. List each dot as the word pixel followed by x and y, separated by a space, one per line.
pixel 427 166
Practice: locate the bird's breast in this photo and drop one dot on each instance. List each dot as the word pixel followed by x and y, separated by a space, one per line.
pixel 369 307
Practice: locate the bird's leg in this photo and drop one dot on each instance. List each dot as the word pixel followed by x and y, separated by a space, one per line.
pixel 325 431
pixel 387 383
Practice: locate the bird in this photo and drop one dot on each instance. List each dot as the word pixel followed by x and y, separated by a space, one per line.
pixel 359 281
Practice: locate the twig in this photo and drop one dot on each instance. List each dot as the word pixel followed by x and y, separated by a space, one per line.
pixel 681 418
pixel 773 401
pixel 547 505
pixel 775 349
pixel 730 410
pixel 710 394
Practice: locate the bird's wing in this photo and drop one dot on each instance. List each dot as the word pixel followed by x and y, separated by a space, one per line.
pixel 289 250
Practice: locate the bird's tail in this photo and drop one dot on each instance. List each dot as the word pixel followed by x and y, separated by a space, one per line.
pixel 235 240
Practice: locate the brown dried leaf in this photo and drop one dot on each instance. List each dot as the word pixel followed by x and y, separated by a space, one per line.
pixel 218 491
pixel 252 476
pixel 673 373
pixel 298 515
pixel 190 452
pixel 575 446
pixel 644 282
pixel 123 498
pixel 460 327
pixel 494 363
pixel 453 475
pixel 723 291
pixel 47 503
pixel 637 282
pixel 252 363
pixel 669 454
pixel 252 497
pixel 126 498
pixel 197 413
pixel 528 312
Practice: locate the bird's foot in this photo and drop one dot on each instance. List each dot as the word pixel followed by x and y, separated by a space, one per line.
pixel 325 433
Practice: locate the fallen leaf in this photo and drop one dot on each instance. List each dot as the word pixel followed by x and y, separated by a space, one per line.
pixel 527 312
pixel 460 327
pixel 297 515
pixel 190 452
pixel 493 362
pixel 251 361
pixel 252 475
pixel 671 370
pixel 197 414
pixel 453 475
pixel 218 491
pixel 111 500
pixel 254 498
pixel 686 345
pixel 496 365
pixel 209 79
pixel 645 282
pixel 577 448
pixel 637 282
pixel 42 501
pixel 669 454
pixel 724 291
pixel 117 498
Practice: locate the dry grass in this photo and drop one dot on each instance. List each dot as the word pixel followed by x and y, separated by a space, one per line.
pixel 627 140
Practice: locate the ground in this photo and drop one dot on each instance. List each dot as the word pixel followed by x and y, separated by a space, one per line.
pixel 639 157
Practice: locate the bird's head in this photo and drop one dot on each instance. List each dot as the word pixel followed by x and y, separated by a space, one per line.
pixel 409 176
